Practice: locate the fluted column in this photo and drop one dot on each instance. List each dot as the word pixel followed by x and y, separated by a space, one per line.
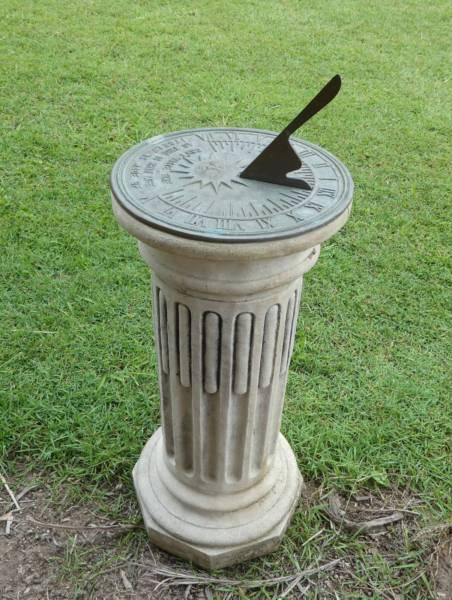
pixel 223 367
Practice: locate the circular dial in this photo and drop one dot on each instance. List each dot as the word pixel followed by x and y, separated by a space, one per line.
pixel 189 183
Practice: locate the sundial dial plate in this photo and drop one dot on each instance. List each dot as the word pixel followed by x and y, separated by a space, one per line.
pixel 188 183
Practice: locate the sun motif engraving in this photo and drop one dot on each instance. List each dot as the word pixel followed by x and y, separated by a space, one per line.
pixel 214 171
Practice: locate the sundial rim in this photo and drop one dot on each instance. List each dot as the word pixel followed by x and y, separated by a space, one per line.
pixel 172 193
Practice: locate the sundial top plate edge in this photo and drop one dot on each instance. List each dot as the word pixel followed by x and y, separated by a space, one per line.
pixel 187 183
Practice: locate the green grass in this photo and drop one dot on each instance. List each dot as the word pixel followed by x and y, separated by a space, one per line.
pixel 367 400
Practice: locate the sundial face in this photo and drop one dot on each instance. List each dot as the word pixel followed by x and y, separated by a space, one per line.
pixel 188 183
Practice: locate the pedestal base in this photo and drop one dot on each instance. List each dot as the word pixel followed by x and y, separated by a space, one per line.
pixel 216 530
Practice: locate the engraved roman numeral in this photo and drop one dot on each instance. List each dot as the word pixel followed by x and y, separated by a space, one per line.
pixel 264 223
pixel 295 217
pixel 170 211
pixel 228 224
pixel 314 205
pixel 233 139
pixel 177 198
pixel 267 210
pixel 288 201
pixel 281 204
pixel 173 195
pixel 326 192
pixel 297 195
pixel 213 143
pixel 305 153
pixel 196 220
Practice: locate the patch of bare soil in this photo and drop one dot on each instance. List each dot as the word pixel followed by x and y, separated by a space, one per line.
pixel 39 534
pixel 51 550
pixel 440 559
pixel 442 569
pixel 26 552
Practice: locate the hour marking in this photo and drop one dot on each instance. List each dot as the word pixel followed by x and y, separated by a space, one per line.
pixel 170 211
pixel 181 201
pixel 326 192
pixel 267 210
pixel 254 209
pixel 295 217
pixel 173 194
pixel 287 202
pixel 264 223
pixel 314 205
pixel 206 210
pixel 277 206
pixel 299 195
pixel 211 141
pixel 228 224
pixel 196 220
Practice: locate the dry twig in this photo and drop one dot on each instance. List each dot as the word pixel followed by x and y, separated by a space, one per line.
pixel 390 510
pixel 22 494
pixel 8 489
pixel 8 526
pixel 313 537
pixel 126 583
pixel 25 491
pixel 9 518
pixel 337 515
pixel 125 527
pixel 179 578
pixel 290 587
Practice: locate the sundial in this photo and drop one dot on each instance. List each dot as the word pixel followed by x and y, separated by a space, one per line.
pixel 221 216
pixel 234 185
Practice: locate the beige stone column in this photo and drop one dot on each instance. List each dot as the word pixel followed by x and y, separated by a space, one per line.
pixel 218 483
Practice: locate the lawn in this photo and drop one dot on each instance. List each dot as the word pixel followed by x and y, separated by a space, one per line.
pixel 367 401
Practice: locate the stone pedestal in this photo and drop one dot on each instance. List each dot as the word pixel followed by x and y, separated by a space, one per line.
pixel 218 483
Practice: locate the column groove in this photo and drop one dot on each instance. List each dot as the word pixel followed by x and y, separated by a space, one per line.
pixel 161 333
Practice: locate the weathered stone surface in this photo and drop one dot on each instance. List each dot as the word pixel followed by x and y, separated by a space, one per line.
pixel 218 483
pixel 215 530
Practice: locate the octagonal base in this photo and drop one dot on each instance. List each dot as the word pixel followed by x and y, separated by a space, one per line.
pixel 216 557
pixel 216 530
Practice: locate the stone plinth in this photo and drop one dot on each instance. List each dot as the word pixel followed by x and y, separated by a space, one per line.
pixel 218 483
